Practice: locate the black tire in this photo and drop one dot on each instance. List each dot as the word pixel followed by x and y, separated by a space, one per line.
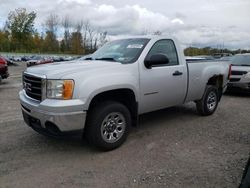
pixel 95 124
pixel 204 106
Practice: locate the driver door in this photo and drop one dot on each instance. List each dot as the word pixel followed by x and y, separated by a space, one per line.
pixel 162 85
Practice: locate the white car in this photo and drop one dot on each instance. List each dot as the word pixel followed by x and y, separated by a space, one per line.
pixel 16 58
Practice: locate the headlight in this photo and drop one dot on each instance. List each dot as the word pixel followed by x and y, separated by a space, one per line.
pixel 60 89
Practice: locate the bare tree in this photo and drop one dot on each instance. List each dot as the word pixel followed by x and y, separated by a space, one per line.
pixel 89 34
pixel 85 31
pixel 79 26
pixel 52 23
pixel 95 40
pixel 103 38
pixel 66 24
pixel 76 39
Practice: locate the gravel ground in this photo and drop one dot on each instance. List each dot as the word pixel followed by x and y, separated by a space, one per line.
pixel 170 148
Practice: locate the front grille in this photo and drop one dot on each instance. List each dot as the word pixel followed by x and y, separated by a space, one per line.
pixel 238 73
pixel 234 79
pixel 33 86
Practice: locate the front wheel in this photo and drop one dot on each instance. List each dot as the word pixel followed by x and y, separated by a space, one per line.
pixel 108 125
pixel 209 102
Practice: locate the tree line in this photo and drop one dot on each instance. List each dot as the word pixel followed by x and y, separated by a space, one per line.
pixel 194 51
pixel 19 35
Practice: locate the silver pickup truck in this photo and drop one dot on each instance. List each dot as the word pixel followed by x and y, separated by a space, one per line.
pixel 104 94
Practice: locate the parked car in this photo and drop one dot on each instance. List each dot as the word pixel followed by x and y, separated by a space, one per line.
pixel 57 59
pixel 69 58
pixel 192 59
pixel 240 74
pixel 25 58
pixel 9 61
pixel 17 58
pixel 220 55
pixel 3 69
pixel 38 61
pixel 85 57
pixel 104 95
pixel 226 58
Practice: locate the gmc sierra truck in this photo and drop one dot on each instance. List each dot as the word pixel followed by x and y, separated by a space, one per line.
pixel 103 95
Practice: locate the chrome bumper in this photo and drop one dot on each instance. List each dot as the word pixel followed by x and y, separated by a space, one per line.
pixel 65 115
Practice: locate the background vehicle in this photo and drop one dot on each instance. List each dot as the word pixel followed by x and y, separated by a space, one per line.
pixel 220 55
pixel 3 69
pixel 226 58
pixel 192 59
pixel 25 58
pixel 9 61
pixel 200 58
pixel 121 80
pixel 17 58
pixel 240 74
pixel 38 61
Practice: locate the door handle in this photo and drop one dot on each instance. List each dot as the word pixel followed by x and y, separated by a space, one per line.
pixel 177 73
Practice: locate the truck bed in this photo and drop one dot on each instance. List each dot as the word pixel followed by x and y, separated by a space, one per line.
pixel 199 72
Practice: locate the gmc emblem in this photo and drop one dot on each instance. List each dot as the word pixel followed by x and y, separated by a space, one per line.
pixel 27 86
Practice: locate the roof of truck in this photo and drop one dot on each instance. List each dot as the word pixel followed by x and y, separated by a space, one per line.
pixel 147 37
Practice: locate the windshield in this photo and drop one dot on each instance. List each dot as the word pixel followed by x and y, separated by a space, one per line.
pixel 124 51
pixel 241 60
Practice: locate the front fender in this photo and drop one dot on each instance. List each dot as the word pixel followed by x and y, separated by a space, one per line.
pixel 94 85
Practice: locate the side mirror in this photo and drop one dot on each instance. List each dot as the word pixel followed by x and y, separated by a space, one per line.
pixel 156 59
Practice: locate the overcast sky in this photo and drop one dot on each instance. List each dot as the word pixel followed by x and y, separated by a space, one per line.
pixel 193 22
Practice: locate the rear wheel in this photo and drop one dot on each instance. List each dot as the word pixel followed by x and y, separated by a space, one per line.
pixel 209 102
pixel 108 125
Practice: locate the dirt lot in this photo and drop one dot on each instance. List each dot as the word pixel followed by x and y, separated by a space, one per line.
pixel 170 148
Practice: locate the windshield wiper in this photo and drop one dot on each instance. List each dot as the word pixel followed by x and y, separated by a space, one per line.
pixel 106 59
pixel 245 65
pixel 88 58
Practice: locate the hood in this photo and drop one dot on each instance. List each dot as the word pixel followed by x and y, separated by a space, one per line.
pixel 64 69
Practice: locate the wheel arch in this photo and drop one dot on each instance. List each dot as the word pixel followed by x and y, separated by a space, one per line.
pixel 125 96
pixel 217 80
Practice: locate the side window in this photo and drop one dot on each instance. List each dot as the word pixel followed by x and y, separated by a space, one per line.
pixel 166 47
